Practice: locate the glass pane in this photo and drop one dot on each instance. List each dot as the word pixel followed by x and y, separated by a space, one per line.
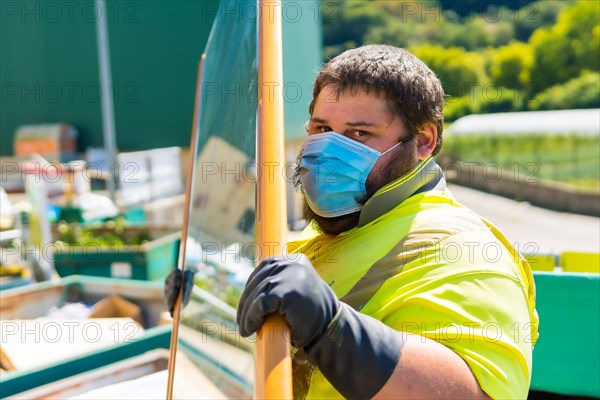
pixel 220 243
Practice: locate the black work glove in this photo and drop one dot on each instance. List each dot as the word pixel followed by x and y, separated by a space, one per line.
pixel 292 289
pixel 173 284
pixel 355 352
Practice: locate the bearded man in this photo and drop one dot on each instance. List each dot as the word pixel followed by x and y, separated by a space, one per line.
pixel 392 292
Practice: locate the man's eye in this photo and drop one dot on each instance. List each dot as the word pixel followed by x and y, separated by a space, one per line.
pixel 359 133
pixel 322 129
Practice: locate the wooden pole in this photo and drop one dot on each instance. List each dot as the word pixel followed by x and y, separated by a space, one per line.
pixel 273 361
pixel 184 230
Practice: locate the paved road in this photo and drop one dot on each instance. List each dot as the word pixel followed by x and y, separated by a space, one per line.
pixel 530 226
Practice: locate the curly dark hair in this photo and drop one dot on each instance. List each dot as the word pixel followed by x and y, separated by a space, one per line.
pixel 411 89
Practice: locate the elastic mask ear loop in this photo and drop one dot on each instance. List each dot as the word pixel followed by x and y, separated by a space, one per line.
pixel 391 148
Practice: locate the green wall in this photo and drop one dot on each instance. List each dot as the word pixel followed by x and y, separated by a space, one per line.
pixel 49 67
pixel 302 57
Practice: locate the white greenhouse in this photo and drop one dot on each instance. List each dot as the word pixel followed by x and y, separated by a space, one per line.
pixel 580 122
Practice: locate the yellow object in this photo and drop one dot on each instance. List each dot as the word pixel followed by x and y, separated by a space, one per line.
pixel 433 268
pixel 580 262
pixel 273 363
pixel 15 270
pixel 6 221
pixel 539 262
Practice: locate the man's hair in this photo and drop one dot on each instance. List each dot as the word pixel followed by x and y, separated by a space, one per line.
pixel 413 92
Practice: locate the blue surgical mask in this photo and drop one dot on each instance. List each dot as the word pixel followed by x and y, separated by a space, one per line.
pixel 333 172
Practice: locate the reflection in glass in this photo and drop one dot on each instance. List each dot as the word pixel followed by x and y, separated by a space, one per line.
pixel 220 244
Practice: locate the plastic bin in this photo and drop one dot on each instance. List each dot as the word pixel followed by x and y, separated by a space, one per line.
pixel 150 261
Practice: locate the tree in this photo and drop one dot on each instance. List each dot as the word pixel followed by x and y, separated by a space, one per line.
pixel 580 92
pixel 458 70
pixel 535 15
pixel 459 107
pixel 511 65
pixel 563 50
pixel 349 21
pixel 394 32
pixel 464 8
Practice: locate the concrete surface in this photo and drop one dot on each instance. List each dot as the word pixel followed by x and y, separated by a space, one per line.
pixel 533 228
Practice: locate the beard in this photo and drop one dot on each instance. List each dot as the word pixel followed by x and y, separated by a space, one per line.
pixel 394 165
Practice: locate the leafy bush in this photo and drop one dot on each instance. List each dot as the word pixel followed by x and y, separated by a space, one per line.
pixel 502 100
pixel 580 92
pixel 457 69
pixel 573 44
pixel 511 65
pixel 459 107
pixel 535 15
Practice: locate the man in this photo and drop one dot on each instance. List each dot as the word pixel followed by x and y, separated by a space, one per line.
pixel 400 292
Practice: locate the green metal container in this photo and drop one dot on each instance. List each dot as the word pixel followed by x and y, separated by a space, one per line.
pixel 36 300
pixel 193 381
pixel 12 383
pixel 150 261
pixel 566 358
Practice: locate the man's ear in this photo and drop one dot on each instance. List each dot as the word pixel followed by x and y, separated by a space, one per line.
pixel 426 140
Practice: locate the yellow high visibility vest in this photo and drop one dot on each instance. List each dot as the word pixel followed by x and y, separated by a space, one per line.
pixel 429 266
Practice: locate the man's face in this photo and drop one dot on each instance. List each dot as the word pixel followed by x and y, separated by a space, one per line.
pixel 367 119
